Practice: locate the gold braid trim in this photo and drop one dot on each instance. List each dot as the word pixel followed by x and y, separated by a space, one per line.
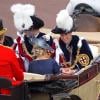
pixel 68 64
pixel 75 62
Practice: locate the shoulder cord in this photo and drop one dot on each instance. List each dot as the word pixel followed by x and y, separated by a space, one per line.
pixel 78 51
pixel 75 62
pixel 69 63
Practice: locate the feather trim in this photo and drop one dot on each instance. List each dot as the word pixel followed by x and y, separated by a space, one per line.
pixel 27 9
pixel 64 21
pixel 22 22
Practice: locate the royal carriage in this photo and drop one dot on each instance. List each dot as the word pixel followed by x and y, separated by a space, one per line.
pixel 85 83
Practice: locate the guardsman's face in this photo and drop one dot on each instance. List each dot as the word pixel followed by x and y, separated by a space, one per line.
pixel 31 32
pixel 66 38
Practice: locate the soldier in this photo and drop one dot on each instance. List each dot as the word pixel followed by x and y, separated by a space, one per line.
pixel 75 50
pixel 9 66
pixel 27 25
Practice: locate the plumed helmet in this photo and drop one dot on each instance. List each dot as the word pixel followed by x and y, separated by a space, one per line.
pixel 41 42
pixel 22 13
pixel 25 18
pixel 64 23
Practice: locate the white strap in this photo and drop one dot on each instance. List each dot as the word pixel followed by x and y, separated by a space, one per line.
pixel 58 51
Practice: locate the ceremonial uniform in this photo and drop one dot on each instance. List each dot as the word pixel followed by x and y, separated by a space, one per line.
pixel 9 66
pixel 75 50
pixel 75 56
pixel 26 23
pixel 21 54
pixel 29 46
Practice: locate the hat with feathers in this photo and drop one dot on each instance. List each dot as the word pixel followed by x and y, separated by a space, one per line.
pixel 23 16
pixel 41 42
pixel 37 23
pixel 64 23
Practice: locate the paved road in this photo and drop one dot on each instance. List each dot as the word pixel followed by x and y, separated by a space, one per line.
pixel 46 9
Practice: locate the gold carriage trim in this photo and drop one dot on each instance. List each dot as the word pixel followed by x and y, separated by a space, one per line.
pixel 83 59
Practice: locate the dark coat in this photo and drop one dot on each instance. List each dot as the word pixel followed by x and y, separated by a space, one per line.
pixel 85 55
pixel 29 45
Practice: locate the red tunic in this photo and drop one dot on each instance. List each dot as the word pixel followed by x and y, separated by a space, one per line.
pixel 9 66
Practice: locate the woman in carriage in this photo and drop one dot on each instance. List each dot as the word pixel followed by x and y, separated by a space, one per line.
pixel 42 62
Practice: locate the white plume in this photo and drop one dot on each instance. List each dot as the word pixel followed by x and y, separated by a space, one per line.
pixel 22 13
pixel 22 22
pixel 27 9
pixel 70 8
pixel 16 8
pixel 64 21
